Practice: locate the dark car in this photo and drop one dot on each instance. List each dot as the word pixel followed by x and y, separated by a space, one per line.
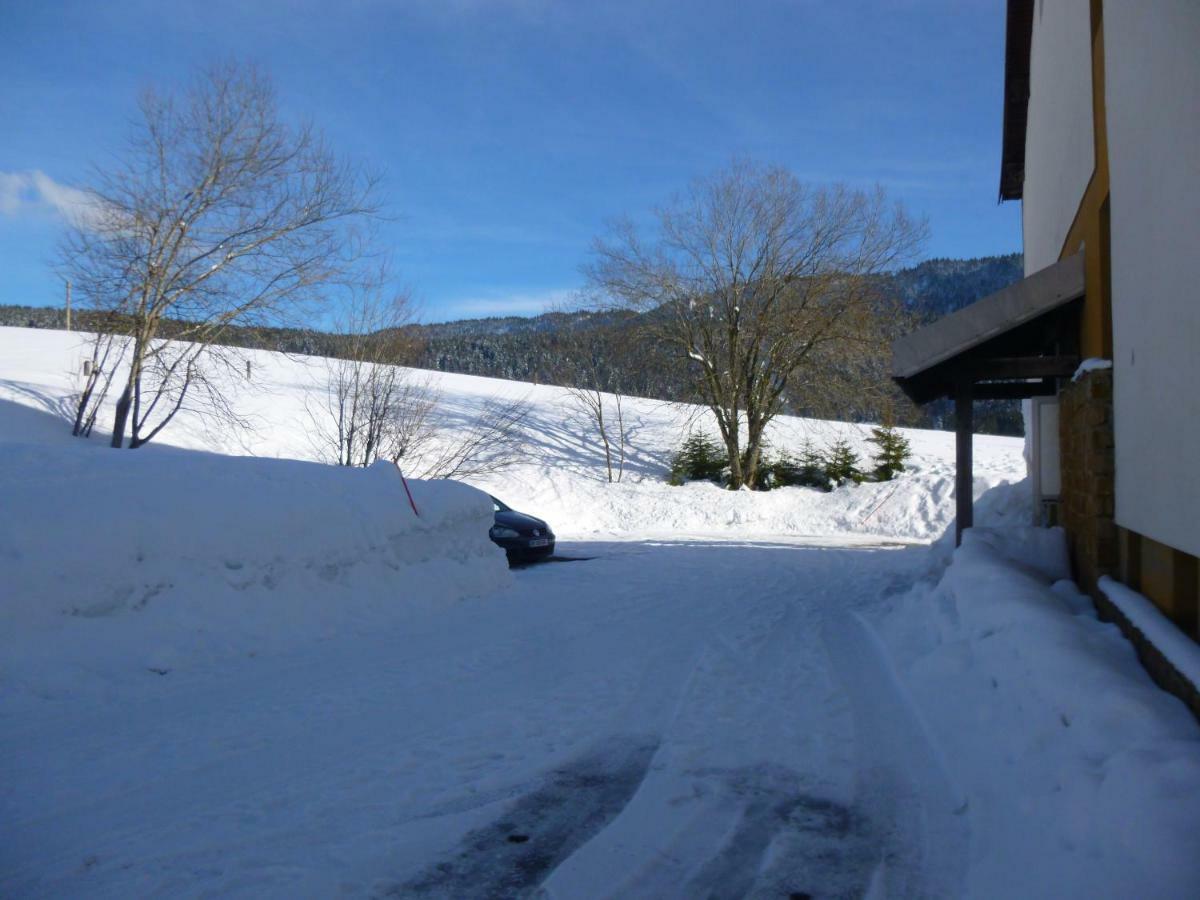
pixel 523 537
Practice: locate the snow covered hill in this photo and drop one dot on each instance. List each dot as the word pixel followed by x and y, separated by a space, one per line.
pixel 561 479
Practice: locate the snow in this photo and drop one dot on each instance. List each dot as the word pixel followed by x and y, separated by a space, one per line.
pixel 179 559
pixel 1043 550
pixel 563 479
pixel 1091 364
pixel 1180 651
pixel 1071 761
pixel 227 670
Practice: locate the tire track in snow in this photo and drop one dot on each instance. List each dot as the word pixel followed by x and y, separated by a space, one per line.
pixel 514 854
pixel 511 856
pixel 903 782
pixel 757 829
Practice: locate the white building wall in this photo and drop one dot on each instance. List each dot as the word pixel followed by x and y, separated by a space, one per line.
pixel 1059 150
pixel 1152 87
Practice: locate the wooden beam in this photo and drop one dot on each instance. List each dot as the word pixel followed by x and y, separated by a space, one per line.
pixel 1021 367
pixel 964 475
pixel 1014 390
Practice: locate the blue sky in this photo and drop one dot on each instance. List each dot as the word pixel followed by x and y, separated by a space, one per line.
pixel 511 130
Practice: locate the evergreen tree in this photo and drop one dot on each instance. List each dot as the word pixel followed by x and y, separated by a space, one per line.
pixel 812 467
pixel 842 464
pixel 699 459
pixel 892 453
pixel 781 471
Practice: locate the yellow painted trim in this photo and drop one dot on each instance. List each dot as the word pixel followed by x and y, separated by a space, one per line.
pixel 1090 228
pixel 1170 578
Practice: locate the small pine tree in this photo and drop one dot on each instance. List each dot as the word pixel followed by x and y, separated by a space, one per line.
pixel 812 468
pixel 699 459
pixel 807 470
pixel 892 453
pixel 780 471
pixel 842 464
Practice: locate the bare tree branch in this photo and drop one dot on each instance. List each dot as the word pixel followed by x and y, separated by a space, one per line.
pixel 494 441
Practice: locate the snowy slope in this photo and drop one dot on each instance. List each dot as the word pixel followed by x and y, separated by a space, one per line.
pixel 562 479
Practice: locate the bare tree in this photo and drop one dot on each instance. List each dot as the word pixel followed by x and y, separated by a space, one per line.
pixel 413 425
pixel 605 412
pixel 371 407
pixel 105 354
pixel 591 363
pixel 758 281
pixel 218 213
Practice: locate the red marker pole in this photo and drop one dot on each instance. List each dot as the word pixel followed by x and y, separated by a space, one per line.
pixel 407 491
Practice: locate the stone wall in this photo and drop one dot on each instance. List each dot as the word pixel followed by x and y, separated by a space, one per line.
pixel 1087 460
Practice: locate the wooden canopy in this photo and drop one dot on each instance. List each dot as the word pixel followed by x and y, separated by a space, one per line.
pixel 1013 344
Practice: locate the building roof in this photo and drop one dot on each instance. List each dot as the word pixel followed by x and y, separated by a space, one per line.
pixel 926 362
pixel 1017 43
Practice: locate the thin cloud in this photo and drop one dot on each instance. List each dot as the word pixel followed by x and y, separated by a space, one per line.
pixel 498 304
pixel 34 193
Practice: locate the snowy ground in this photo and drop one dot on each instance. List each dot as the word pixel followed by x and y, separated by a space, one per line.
pixel 657 719
pixel 314 694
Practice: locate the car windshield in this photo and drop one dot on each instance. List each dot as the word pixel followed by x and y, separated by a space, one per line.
pixel 499 506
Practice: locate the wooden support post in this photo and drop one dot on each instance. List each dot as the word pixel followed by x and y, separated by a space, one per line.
pixel 964 476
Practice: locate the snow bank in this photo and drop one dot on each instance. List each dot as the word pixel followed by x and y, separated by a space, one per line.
pixel 1080 774
pixel 1180 651
pixel 158 558
pixel 1043 550
pixel 917 506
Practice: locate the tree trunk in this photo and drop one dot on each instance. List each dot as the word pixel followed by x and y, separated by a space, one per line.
pixel 602 428
pixel 122 416
pixel 736 475
pixel 753 455
pixel 620 438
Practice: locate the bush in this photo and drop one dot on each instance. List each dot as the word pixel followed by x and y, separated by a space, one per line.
pixel 700 459
pixel 842 464
pixel 893 451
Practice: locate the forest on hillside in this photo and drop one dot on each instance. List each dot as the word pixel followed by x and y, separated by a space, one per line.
pixel 557 347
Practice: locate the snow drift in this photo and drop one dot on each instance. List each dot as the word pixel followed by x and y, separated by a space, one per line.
pixel 1080 775
pixel 156 558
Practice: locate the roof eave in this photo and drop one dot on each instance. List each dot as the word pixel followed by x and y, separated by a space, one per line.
pixel 928 352
pixel 1017 45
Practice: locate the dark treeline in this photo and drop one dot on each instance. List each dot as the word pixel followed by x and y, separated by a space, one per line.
pixel 554 347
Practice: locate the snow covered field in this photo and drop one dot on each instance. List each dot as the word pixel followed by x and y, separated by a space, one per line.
pixel 562 480
pixel 266 677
